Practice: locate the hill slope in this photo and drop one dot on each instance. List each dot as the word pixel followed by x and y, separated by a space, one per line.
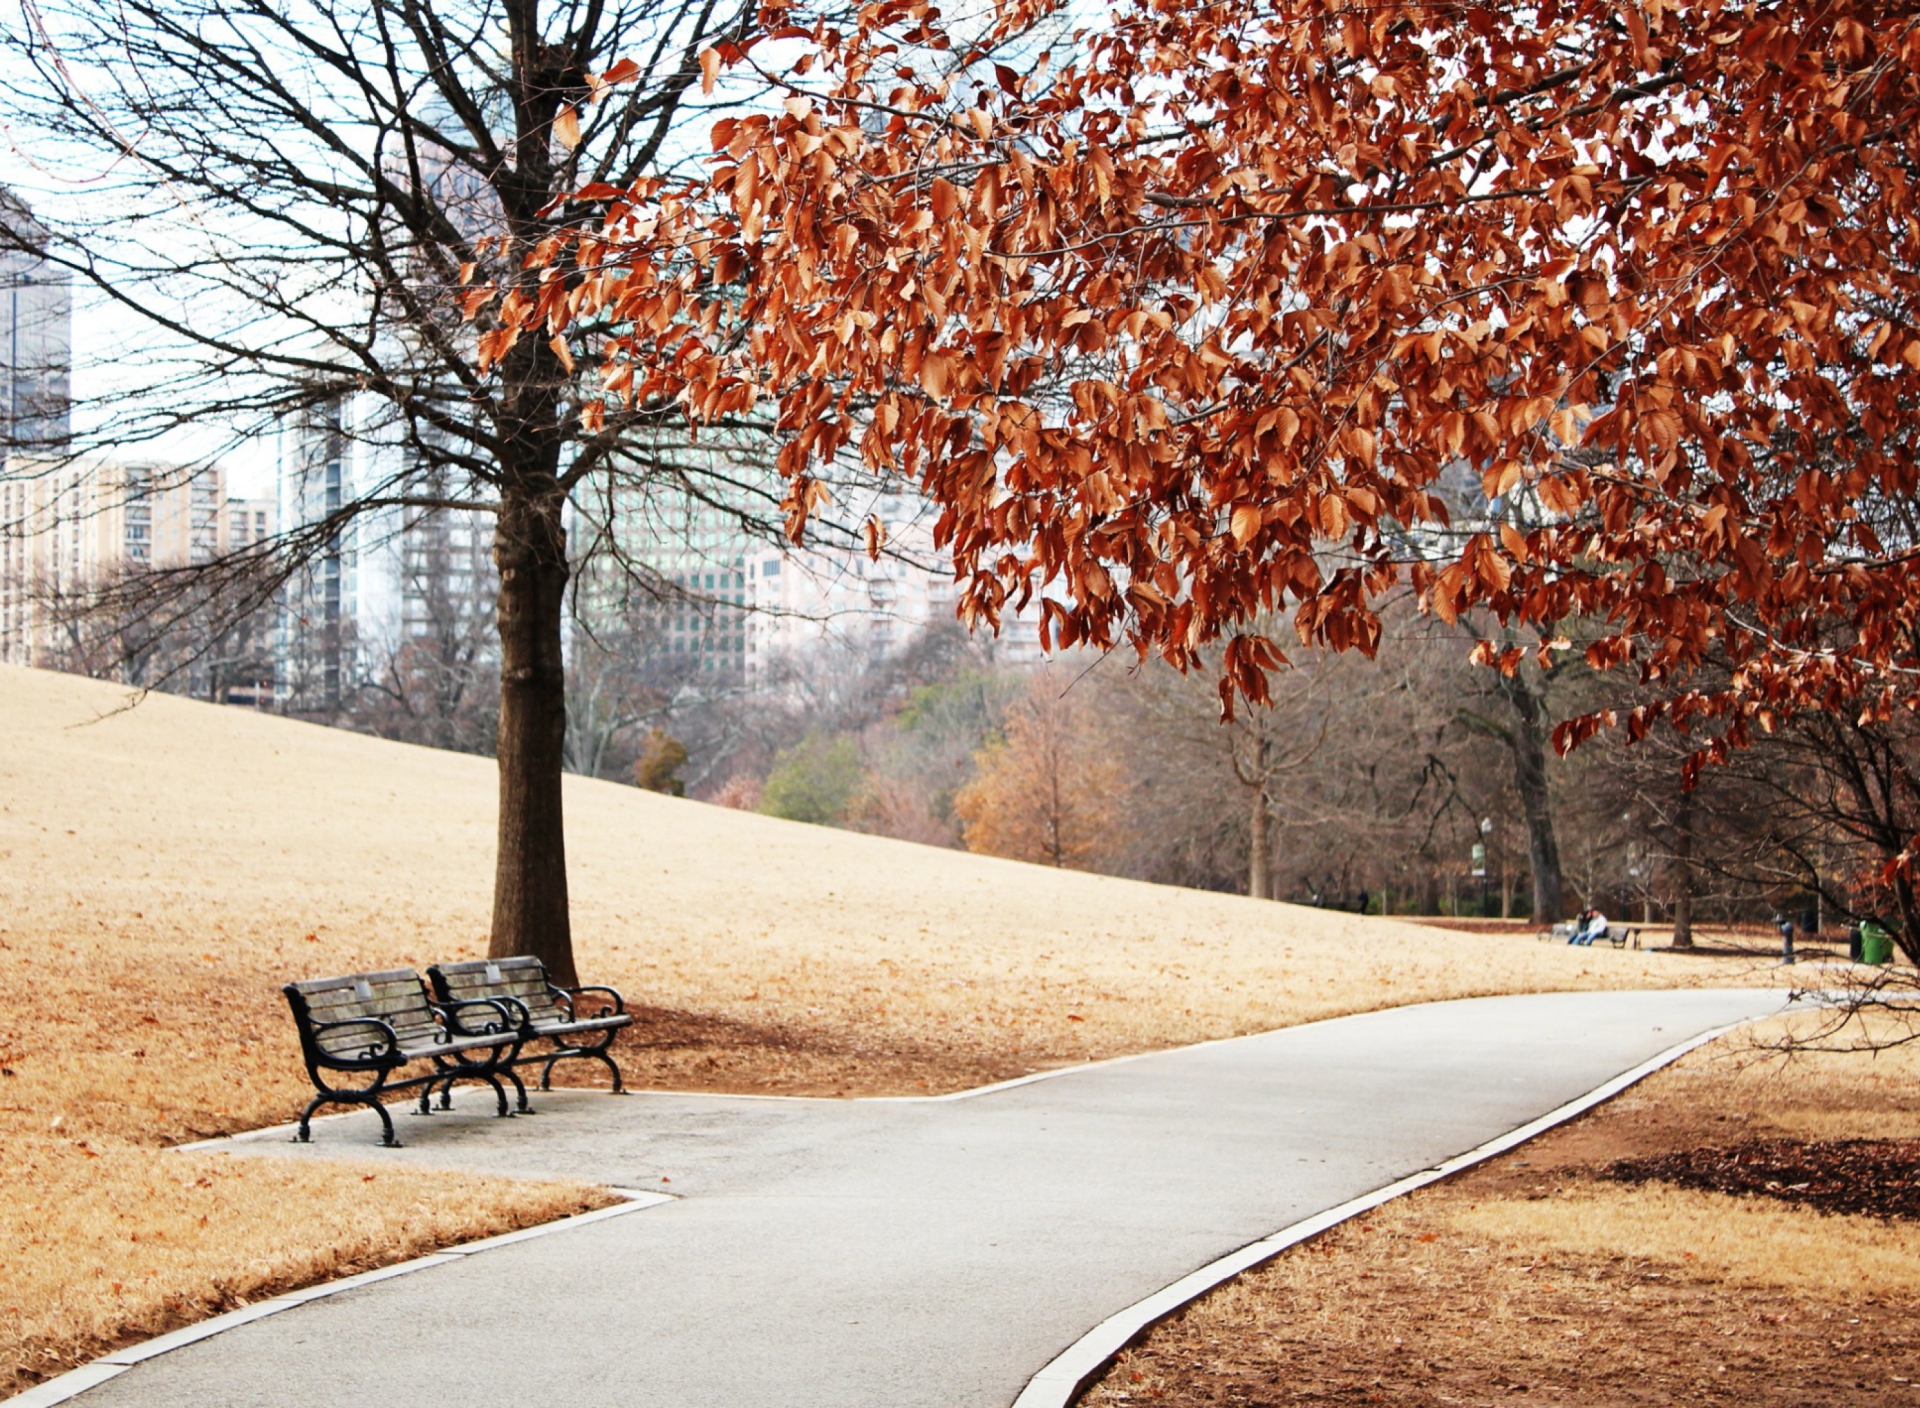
pixel 237 849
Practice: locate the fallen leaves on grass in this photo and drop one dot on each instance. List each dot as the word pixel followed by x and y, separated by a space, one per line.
pixel 1873 1177
pixel 1726 1238
pixel 1374 1313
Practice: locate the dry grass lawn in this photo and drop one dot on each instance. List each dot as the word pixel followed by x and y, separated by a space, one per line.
pixel 165 867
pixel 103 1241
pixel 1529 1280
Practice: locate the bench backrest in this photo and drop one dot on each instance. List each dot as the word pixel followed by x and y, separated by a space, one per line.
pixel 522 979
pixel 397 997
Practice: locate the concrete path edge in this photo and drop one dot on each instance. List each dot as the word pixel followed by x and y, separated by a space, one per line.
pixel 1060 1381
pixel 77 1381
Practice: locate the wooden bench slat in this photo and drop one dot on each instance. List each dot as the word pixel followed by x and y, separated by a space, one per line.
pixel 312 986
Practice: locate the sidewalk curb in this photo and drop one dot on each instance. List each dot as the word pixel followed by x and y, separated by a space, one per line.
pixel 77 1381
pixel 1060 1381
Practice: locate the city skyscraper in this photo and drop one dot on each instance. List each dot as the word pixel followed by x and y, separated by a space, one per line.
pixel 318 623
pixel 36 337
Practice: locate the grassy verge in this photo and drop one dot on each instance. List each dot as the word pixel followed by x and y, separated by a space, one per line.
pixel 108 1242
pixel 1537 1279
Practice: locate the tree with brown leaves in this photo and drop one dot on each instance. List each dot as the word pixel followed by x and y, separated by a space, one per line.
pixel 1196 317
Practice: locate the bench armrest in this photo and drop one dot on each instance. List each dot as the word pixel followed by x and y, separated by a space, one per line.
pixel 570 996
pixel 387 1043
pixel 496 1014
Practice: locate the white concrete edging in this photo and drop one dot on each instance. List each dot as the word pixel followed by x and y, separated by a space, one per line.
pixel 107 1366
pixel 1056 1385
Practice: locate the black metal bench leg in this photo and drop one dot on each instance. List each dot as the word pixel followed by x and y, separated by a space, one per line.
pixel 499 1095
pixel 520 1103
pixel 305 1136
pixel 329 1095
pixel 598 1053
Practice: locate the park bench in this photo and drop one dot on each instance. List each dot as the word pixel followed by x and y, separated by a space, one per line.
pixel 555 1016
pixel 376 1024
pixel 1617 934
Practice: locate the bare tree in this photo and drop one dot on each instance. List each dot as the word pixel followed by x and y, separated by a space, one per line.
pixel 1176 721
pixel 289 206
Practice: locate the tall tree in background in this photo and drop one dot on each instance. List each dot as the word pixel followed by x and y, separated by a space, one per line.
pixel 279 202
pixel 1196 322
pixel 1522 722
pixel 1258 753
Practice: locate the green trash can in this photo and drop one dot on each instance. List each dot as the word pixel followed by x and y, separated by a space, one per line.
pixel 1876 944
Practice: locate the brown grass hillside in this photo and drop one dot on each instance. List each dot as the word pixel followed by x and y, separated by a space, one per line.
pixel 166 865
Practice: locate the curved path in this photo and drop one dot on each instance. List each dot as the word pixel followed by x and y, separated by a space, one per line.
pixel 900 1253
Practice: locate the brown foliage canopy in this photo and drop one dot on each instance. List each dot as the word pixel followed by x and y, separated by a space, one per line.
pixel 1193 323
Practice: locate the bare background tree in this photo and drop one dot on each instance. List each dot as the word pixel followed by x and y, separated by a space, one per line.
pixel 284 204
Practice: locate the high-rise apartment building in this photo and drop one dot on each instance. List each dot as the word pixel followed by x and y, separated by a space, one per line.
pixel 663 556
pixel 71 527
pixel 724 607
pixel 811 600
pixel 316 647
pixel 36 338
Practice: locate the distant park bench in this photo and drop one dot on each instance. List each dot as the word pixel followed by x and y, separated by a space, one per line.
pixel 1616 934
pixel 572 1022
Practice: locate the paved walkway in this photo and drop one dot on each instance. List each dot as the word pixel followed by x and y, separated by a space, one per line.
pixel 901 1254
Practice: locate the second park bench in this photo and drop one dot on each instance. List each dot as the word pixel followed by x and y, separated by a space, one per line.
pixel 567 1022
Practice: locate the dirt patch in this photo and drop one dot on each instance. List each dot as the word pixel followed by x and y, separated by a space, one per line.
pixel 1870 1177
pixel 1535 1278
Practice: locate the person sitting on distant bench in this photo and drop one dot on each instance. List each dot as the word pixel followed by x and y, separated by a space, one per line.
pixel 1591 925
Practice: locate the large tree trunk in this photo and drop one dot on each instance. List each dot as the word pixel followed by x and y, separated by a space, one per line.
pixel 530 876
pixel 1528 743
pixel 1683 872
